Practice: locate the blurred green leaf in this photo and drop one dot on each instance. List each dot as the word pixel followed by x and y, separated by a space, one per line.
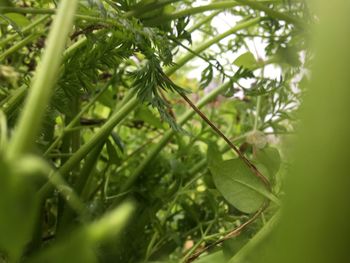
pixel 217 257
pixel 113 157
pixel 270 158
pixel 18 207
pixel 146 115
pixel 246 60
pixel 18 19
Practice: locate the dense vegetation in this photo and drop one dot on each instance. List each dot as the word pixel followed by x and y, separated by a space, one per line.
pixel 113 151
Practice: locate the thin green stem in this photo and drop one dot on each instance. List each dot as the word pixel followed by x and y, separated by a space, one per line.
pixel 18 96
pixel 182 61
pixel 12 103
pixel 48 11
pixel 45 78
pixel 90 162
pixel 222 5
pixel 191 11
pixel 25 30
pixel 203 21
pixel 169 134
pixel 272 13
pixel 257 113
pixel 24 42
pixel 75 120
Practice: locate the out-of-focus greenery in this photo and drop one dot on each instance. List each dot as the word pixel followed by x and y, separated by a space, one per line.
pixel 103 156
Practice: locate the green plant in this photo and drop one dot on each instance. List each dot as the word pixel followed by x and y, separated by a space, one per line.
pixel 93 153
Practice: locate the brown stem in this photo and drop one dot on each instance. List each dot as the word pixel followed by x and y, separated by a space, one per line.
pixel 251 166
pixel 222 135
pixel 235 232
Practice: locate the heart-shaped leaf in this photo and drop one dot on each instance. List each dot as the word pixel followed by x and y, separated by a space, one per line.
pixel 239 186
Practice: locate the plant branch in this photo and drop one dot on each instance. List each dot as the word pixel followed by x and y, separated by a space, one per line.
pixel 240 26
pixel 272 13
pixel 44 81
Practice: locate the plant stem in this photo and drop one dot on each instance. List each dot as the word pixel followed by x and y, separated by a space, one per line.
pixel 182 61
pixel 222 5
pixel 25 29
pixel 45 78
pixel 228 141
pixel 258 106
pixel 235 232
pixel 75 120
pixel 90 162
pixel 192 11
pixel 203 21
pixel 272 13
pixel 98 137
pixel 49 11
pixel 141 10
pixel 169 134
pixel 19 45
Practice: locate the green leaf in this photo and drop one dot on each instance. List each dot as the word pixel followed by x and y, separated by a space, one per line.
pixel 231 246
pixel 239 186
pixel 18 207
pixel 18 19
pixel 112 153
pixel 217 257
pixel 213 155
pixel 146 115
pixel 246 60
pixel 270 158
pixel 77 249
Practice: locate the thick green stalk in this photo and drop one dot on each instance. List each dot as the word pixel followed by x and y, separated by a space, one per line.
pixel 182 61
pixel 314 225
pixel 44 81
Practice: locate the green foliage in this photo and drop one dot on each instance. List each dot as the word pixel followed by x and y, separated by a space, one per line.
pixel 100 153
